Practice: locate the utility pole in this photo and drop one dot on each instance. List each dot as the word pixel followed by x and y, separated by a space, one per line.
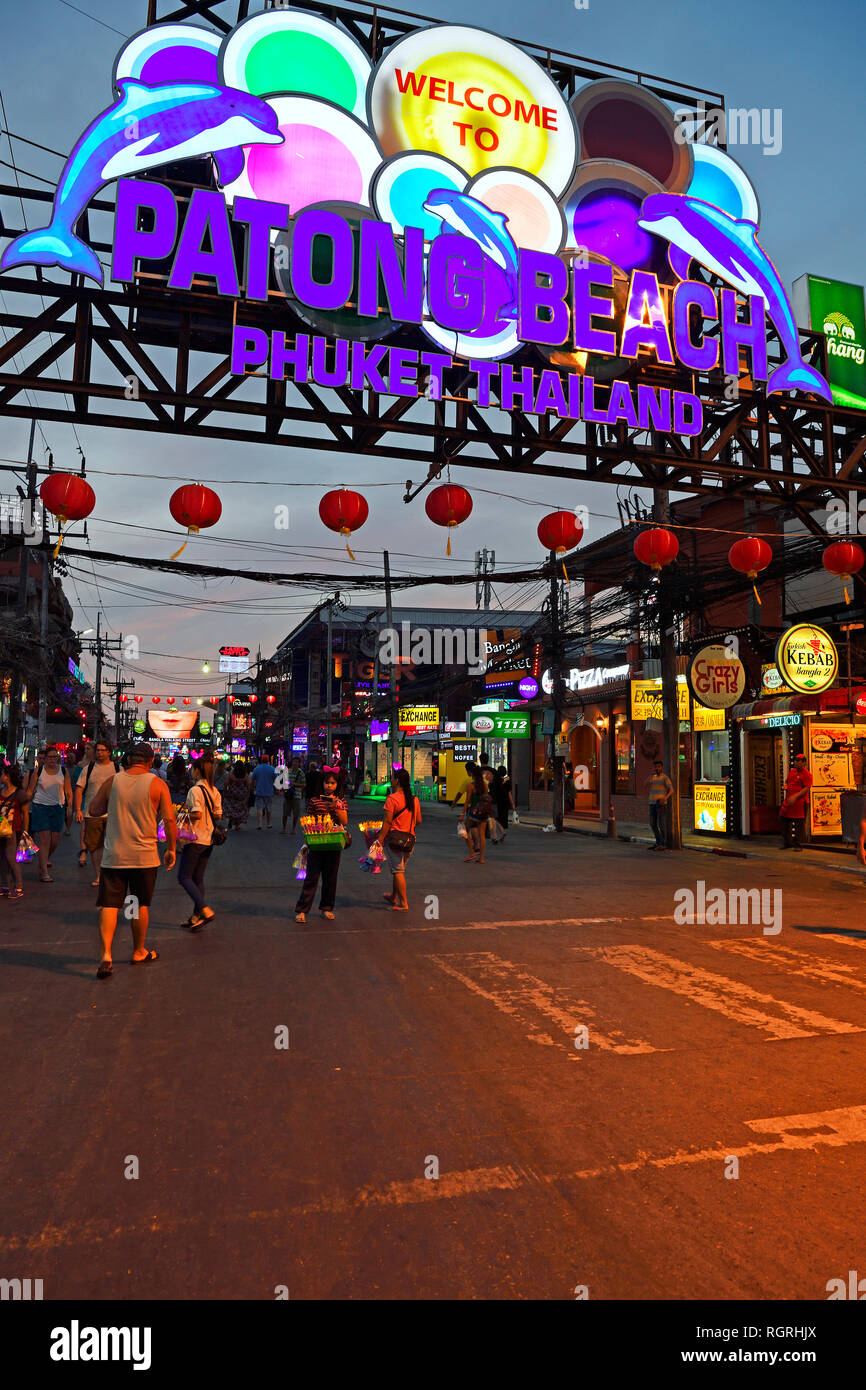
pixel 329 671
pixel 670 693
pixel 101 647
pixel 556 669
pixel 119 686
pixel 482 579
pixel 392 699
pixel 21 609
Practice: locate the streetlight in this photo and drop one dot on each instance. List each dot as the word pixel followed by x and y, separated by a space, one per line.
pixel 205 668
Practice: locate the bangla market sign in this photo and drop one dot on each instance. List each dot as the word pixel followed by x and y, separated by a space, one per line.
pixel 807 658
pixel 453 188
pixel 716 677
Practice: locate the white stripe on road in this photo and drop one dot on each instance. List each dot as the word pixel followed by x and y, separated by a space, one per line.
pixel 534 1003
pixel 812 1131
pixel 795 962
pixel 569 921
pixel 724 996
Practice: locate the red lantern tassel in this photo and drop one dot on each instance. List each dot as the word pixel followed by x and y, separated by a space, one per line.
pixel 845 587
pixel 448 546
pixel 189 532
pixel 755 589
pixel 61 522
pixel 177 552
pixel 344 531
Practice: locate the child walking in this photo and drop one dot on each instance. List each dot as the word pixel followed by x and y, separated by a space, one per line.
pixel 323 862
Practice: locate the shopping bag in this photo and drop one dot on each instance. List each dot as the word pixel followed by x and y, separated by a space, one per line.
pixel 462 832
pixel 515 819
pixel 299 863
pixel 26 850
pixel 185 828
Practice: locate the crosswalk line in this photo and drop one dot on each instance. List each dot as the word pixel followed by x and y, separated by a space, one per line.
pixel 724 996
pixel 535 1004
pixel 857 941
pixel 795 962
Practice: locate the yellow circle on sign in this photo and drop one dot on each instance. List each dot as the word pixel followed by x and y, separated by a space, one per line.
pixel 807 658
pixel 476 113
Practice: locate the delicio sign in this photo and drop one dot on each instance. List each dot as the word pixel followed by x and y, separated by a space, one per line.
pixel 807 658
pixel 717 677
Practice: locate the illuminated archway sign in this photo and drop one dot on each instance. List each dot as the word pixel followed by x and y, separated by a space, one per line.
pixel 447 189
pixel 807 658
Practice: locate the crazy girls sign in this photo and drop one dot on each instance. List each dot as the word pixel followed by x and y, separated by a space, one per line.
pixel 452 188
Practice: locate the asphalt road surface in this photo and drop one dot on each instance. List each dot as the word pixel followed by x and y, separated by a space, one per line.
pixel 612 1099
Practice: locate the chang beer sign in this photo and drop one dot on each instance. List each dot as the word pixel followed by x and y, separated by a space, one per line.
pixel 807 659
pixel 836 309
pixel 489 724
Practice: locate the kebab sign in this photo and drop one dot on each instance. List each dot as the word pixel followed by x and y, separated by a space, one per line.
pixel 807 658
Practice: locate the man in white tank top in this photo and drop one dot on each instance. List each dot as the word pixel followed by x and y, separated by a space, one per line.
pixel 136 801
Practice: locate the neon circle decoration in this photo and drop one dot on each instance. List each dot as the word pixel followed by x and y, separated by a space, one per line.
pixel 476 99
pixel 326 155
pixel 289 51
pixel 170 53
pixel 719 180
pixel 404 183
pixel 625 122
pixel 535 219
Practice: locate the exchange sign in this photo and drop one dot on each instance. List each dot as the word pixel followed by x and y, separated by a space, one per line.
pixel 455 189
pixel 807 658
pixel 418 718
pixel 717 678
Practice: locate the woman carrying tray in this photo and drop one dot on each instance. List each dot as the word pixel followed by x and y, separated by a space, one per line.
pixel 323 861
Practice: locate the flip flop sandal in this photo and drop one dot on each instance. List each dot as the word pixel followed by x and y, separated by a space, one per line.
pixel 146 960
pixel 105 969
pixel 82 859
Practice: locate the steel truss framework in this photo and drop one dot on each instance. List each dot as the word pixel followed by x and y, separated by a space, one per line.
pixel 143 357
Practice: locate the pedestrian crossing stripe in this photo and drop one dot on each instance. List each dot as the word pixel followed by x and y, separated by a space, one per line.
pixel 796 962
pixel 736 1001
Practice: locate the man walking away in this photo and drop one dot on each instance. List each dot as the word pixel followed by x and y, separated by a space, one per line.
pixel 792 811
pixel 293 794
pixel 264 777
pixel 661 789
pixel 136 800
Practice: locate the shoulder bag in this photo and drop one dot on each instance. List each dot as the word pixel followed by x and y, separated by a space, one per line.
pixel 219 834
pixel 403 841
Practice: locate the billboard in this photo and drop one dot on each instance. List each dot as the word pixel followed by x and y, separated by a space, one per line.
pixel 171 723
pixel 507 662
pixel 837 309
pixel 454 190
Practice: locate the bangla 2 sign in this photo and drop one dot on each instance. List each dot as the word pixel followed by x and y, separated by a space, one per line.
pixel 448 189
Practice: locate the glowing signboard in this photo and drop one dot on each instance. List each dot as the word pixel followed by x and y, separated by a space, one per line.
pixel 807 658
pixel 646 700
pixel 454 188
pixel 711 807
pixel 717 678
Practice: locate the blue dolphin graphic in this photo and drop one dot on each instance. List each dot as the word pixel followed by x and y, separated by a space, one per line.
pixel 729 247
pixel 467 217
pixel 146 127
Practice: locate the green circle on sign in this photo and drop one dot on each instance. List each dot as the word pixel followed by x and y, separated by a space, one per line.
pixel 295 62
pixel 139 726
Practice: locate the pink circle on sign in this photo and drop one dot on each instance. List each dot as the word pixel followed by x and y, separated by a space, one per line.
pixel 528 219
pixel 312 166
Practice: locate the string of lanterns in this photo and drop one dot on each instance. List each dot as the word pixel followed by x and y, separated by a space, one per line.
pixel 69 497
pixel 172 700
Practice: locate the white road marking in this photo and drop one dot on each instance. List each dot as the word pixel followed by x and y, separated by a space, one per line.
pixel 843 940
pixel 724 996
pixel 569 921
pixel 795 962
pixel 534 1003
pixel 807 1132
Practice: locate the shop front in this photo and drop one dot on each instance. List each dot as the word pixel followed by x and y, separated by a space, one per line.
pixel 830 728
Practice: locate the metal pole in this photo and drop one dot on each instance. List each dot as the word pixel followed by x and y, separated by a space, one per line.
pixel 43 645
pixel 98 709
pixel 670 694
pixel 556 646
pixel 392 703
pixel 328 678
pixel 21 608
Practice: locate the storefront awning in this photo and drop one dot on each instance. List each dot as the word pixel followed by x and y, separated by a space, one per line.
pixel 828 702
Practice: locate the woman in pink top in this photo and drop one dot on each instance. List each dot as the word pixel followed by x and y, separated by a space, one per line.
pixel 402 816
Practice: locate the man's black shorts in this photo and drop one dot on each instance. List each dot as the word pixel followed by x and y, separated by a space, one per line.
pixel 115 885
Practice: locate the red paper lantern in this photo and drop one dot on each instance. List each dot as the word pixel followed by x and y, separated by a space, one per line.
pixel 154 699
pixel 750 556
pixel 69 497
pixel 123 699
pixel 560 532
pixel 231 699
pixel 195 507
pixel 844 559
pixel 169 700
pixel 253 699
pixel 270 699
pixel 448 505
pixel 344 511
pixel 656 548
pixel 187 700
pixel 138 699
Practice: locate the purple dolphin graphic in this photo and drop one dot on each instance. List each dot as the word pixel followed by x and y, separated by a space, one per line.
pixel 730 249
pixel 146 127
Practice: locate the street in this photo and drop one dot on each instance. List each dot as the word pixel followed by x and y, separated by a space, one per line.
pixel 431 1125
